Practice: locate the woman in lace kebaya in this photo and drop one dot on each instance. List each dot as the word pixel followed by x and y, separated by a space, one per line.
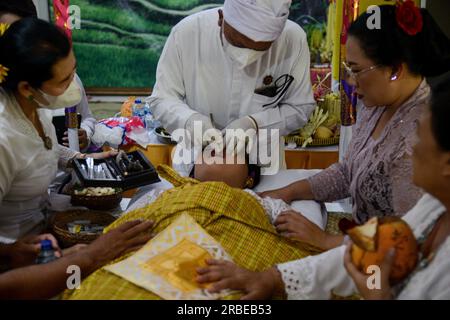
pixel 388 67
pixel 317 277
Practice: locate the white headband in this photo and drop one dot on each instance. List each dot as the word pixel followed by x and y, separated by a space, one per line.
pixel 259 20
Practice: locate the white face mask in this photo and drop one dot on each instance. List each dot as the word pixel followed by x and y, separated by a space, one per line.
pixel 70 98
pixel 242 57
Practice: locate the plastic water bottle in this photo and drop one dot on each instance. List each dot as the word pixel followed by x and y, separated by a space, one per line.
pixel 150 121
pixel 47 253
pixel 138 109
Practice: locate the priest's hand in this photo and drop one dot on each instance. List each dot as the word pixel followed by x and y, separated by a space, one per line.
pixel 205 133
pixel 237 137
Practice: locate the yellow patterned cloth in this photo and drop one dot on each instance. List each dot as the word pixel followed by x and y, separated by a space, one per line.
pixel 231 216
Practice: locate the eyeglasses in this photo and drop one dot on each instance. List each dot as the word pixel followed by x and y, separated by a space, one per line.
pixel 355 75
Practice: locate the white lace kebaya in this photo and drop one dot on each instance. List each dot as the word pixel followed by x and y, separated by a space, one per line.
pixel 318 277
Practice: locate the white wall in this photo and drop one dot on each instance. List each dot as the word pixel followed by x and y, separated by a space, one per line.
pixel 42 9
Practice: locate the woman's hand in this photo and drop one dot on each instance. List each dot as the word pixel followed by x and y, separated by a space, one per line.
pixel 25 251
pixel 103 155
pixel 284 194
pixel 126 238
pixel 294 225
pixel 361 280
pixel 82 138
pixel 226 275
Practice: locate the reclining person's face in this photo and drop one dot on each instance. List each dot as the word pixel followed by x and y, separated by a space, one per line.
pixel 215 168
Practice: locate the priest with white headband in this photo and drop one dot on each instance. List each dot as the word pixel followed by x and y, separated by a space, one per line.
pixel 244 66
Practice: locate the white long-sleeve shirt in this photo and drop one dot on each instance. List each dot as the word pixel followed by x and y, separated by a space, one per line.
pixel 195 75
pixel 88 121
pixel 317 277
pixel 26 169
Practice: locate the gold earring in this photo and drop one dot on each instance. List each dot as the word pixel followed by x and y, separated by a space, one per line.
pixel 249 183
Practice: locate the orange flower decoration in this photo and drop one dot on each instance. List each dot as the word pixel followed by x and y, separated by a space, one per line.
pixel 3 70
pixel 3 73
pixel 3 28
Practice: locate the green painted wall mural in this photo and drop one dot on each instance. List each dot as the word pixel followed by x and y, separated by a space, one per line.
pixel 119 43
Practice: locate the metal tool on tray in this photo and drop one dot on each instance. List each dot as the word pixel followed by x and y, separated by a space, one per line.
pixel 127 164
pixel 98 172
pixel 90 164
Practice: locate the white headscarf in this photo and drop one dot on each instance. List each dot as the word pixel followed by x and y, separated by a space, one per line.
pixel 259 20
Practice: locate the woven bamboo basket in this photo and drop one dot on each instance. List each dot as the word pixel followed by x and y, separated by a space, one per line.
pixel 102 203
pixel 65 237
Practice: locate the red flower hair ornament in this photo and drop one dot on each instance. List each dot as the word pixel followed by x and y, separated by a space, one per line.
pixel 409 17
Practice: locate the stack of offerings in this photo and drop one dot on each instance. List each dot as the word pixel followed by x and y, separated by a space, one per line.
pixel 322 129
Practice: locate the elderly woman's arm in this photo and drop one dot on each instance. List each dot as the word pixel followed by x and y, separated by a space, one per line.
pixel 332 183
pixel 317 277
pixel 314 277
pixel 328 185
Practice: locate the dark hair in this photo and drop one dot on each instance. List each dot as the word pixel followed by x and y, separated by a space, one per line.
pixel 29 49
pixel 440 111
pixel 427 53
pixel 21 8
pixel 254 172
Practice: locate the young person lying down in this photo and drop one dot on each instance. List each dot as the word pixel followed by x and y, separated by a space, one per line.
pixel 241 176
